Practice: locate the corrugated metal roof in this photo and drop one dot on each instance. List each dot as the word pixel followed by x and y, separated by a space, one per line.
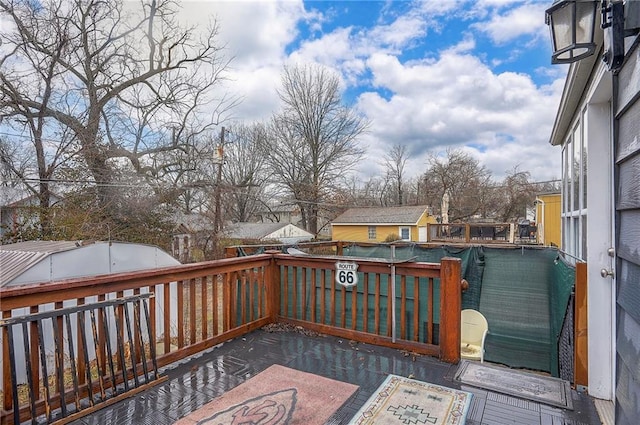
pixel 18 257
pixel 381 215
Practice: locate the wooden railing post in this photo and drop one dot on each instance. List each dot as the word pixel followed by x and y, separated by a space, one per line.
pixel 450 305
pixel 230 252
pixel 272 282
pixel 581 359
pixel 6 366
pixel 339 248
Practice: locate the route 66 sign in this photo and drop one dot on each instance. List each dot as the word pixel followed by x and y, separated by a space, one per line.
pixel 346 273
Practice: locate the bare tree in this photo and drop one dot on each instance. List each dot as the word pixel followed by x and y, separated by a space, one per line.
pixel 466 181
pixel 244 173
pixel 514 195
pixel 313 139
pixel 395 162
pixel 112 79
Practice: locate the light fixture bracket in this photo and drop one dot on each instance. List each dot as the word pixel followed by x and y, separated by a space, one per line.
pixel 614 34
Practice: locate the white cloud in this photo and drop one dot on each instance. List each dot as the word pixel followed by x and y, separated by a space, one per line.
pixel 255 34
pixel 458 101
pixel 527 19
pixel 450 98
pixel 399 33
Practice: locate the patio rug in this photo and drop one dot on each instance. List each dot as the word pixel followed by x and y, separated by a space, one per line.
pixel 403 401
pixel 276 396
pixel 526 385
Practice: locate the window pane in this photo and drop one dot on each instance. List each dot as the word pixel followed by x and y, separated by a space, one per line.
pixel 372 232
pixel 584 237
pixel 565 178
pixel 584 168
pixel 575 243
pixel 577 168
pixel 404 233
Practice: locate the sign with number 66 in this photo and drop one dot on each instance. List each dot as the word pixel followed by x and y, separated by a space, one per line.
pixel 346 274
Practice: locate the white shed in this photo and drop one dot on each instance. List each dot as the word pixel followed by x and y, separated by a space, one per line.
pixel 47 261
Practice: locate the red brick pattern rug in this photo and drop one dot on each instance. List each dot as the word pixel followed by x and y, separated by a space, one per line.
pixel 405 401
pixel 277 396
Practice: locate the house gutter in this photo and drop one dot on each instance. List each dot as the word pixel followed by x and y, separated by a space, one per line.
pixel 575 85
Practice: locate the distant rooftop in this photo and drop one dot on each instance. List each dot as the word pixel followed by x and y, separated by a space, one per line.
pixel 382 215
pixel 253 230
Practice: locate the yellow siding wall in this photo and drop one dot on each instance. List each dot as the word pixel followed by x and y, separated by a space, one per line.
pixel 360 232
pixel 548 219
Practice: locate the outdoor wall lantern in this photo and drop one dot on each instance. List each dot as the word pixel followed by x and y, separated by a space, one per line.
pixel 572 25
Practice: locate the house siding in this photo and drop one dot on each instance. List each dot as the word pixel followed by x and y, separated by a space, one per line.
pixel 627 121
pixel 360 232
pixel 548 219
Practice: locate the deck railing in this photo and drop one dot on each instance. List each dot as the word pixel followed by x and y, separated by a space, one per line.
pixel 472 232
pixel 409 306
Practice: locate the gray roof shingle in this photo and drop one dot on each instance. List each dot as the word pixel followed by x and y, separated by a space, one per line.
pixel 381 215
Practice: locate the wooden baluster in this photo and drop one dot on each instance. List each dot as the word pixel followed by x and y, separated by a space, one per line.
pixel 376 306
pixel 294 296
pixel 332 306
pixel 204 305
pixel 303 295
pixel 416 308
pixel 312 301
pixel 181 287
pixel 403 307
pixel 365 303
pixel 192 311
pixel 354 307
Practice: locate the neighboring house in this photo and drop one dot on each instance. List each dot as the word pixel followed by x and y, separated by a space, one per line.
pixel 286 233
pixel 47 261
pixel 288 212
pixel 547 218
pixel 18 209
pixel 597 126
pixel 192 237
pixel 279 212
pixel 376 224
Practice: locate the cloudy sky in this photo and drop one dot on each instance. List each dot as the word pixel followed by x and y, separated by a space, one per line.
pixel 431 75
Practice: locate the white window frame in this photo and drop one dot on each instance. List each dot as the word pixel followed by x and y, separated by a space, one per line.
pixel 372 233
pixel 574 210
pixel 408 229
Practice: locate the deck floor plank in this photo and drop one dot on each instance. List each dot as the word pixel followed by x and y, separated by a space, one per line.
pixel 195 382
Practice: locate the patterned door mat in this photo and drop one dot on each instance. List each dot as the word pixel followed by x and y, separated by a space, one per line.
pixel 526 385
pixel 405 401
pixel 277 395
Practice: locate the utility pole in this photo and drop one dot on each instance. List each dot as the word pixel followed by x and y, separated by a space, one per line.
pixel 218 217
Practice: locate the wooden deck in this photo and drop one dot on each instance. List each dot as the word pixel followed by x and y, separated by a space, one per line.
pixel 202 378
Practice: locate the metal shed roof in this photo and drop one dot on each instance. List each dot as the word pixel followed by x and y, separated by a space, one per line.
pixel 18 257
pixel 19 260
